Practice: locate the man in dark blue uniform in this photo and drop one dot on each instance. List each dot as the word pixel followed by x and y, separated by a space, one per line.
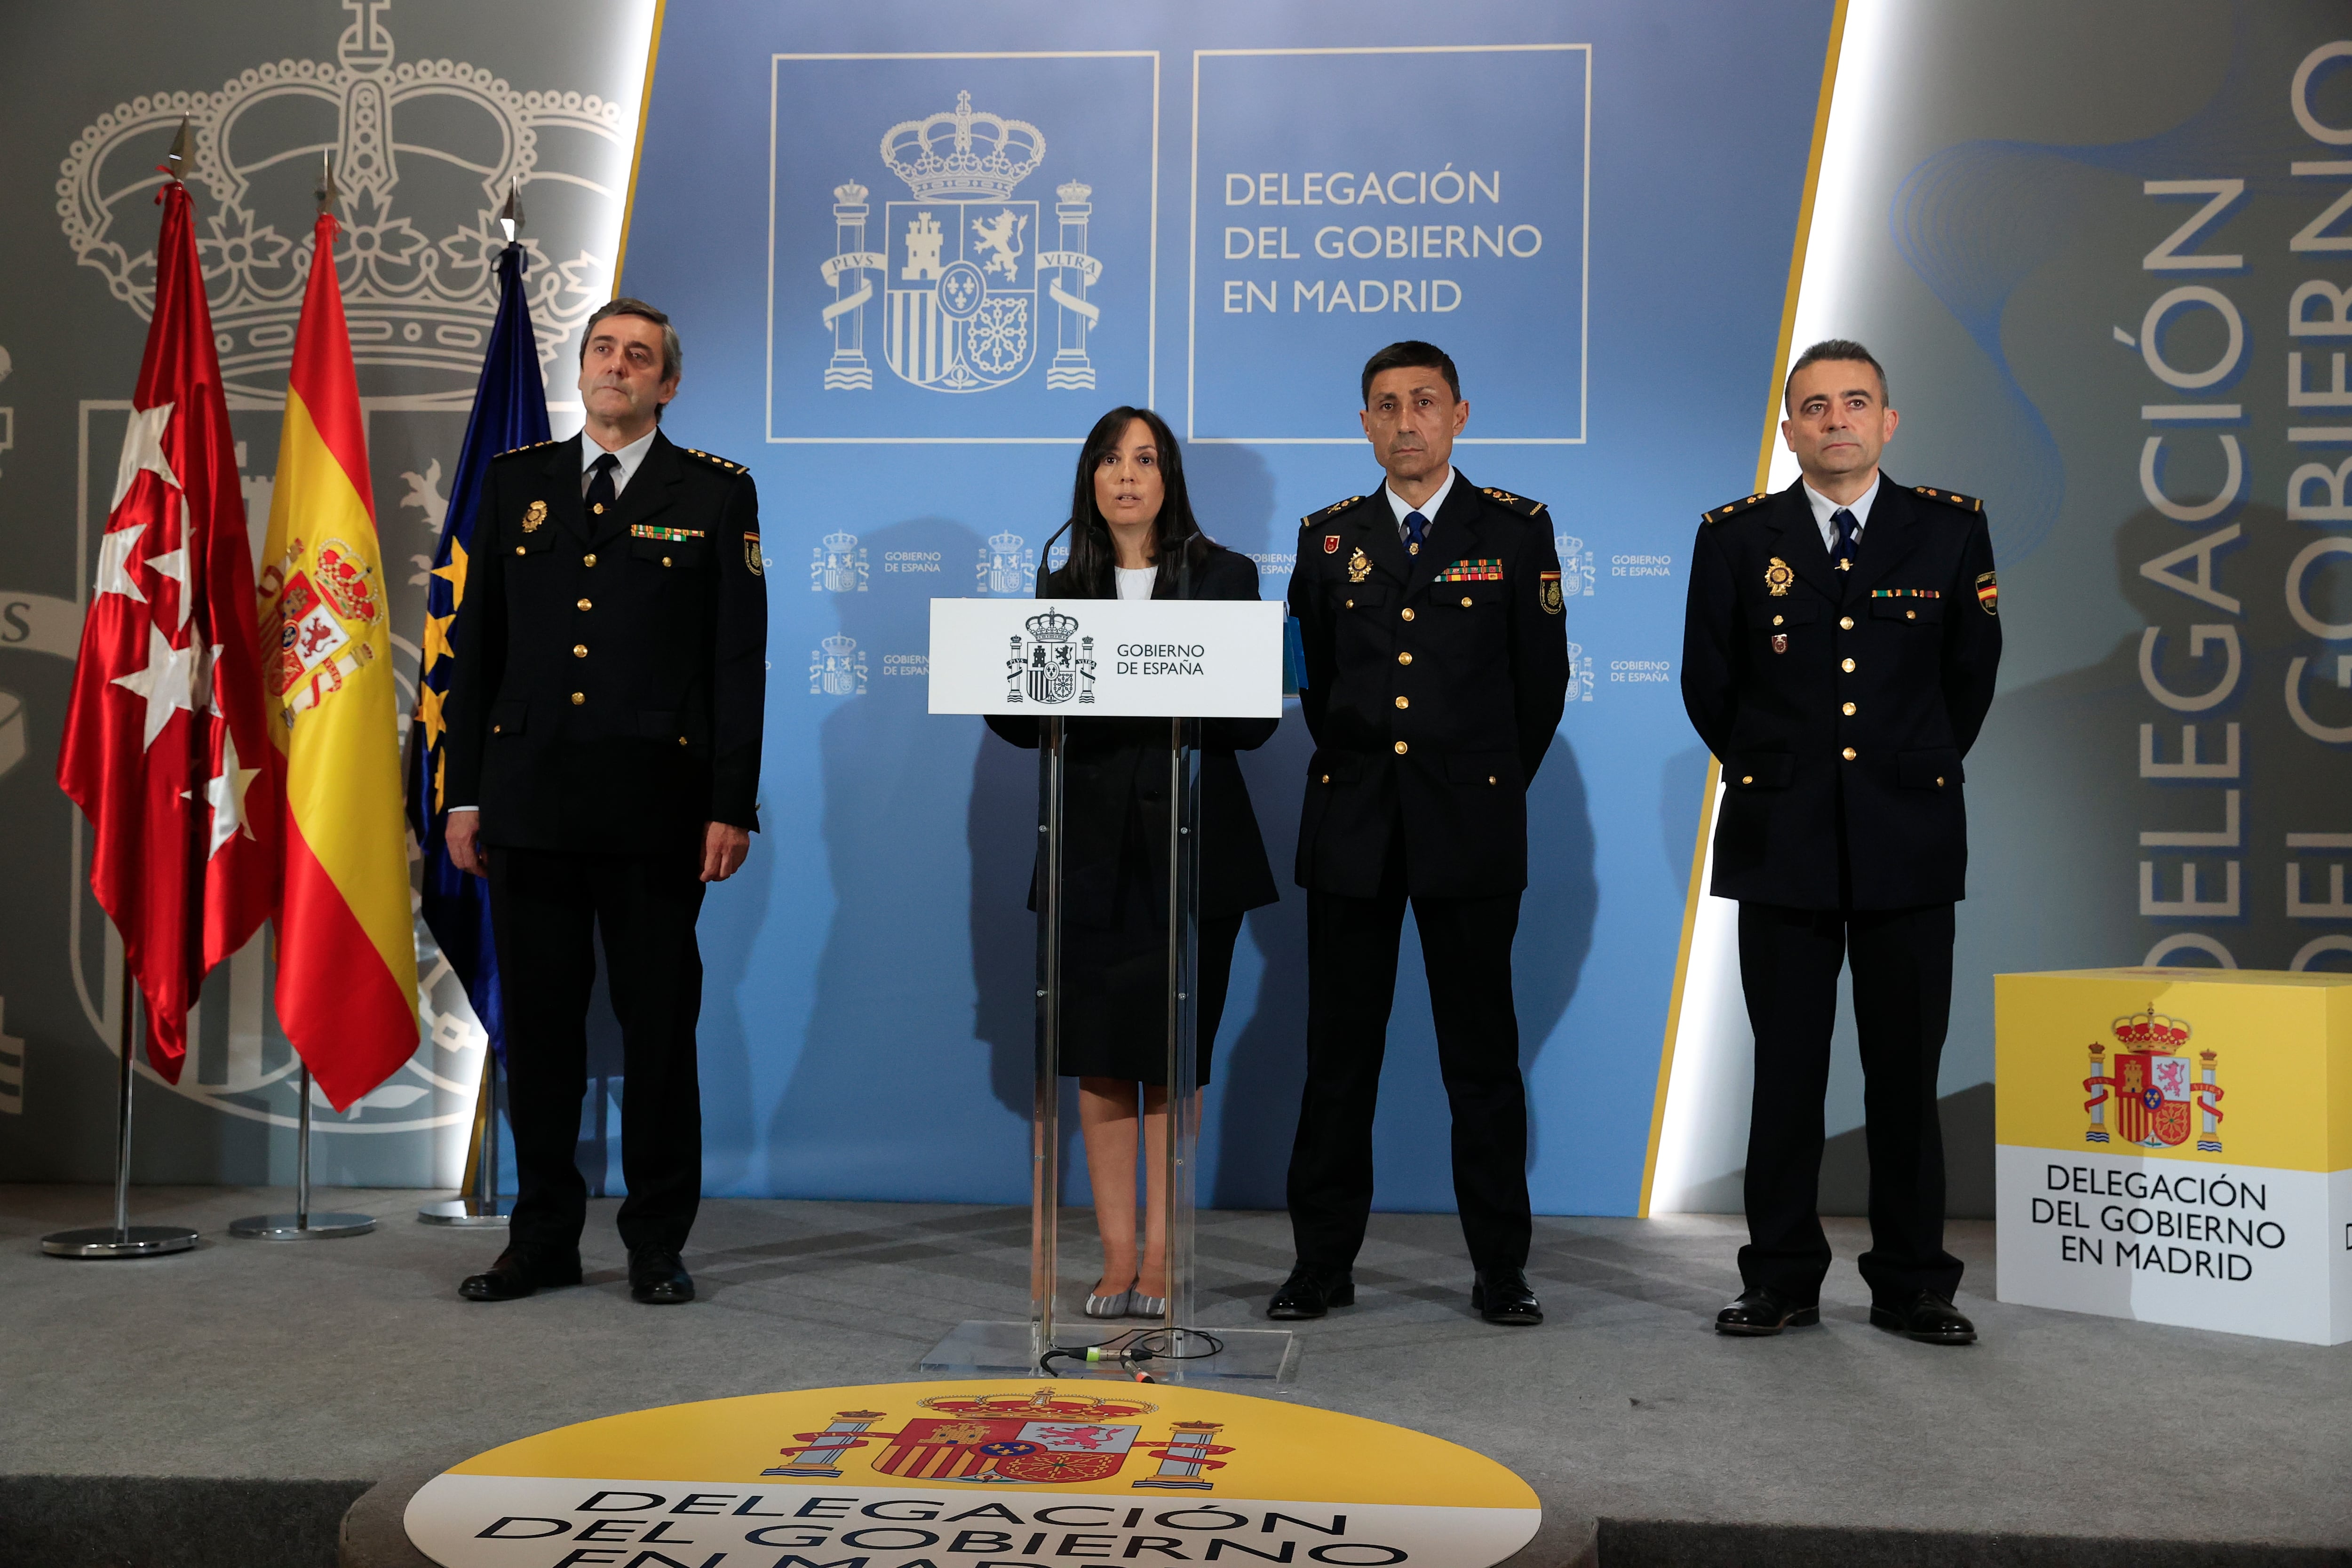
pixel 1436 669
pixel 1838 659
pixel 605 743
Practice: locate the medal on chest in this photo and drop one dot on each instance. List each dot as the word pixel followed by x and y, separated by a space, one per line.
pixel 1777 578
pixel 1360 566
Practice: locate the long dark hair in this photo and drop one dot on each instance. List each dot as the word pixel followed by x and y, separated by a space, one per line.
pixel 1176 537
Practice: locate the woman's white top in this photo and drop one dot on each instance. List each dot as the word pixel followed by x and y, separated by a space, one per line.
pixel 1136 582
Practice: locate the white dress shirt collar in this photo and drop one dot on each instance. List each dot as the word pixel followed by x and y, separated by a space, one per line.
pixel 1427 508
pixel 1824 508
pixel 631 455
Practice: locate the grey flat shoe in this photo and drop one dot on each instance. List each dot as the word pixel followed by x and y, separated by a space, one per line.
pixel 1142 1306
pixel 1113 1306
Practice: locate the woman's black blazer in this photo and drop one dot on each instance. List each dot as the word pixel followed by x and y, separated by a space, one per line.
pixel 1119 765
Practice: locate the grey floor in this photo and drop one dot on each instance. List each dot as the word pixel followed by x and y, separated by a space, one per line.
pixel 339 1360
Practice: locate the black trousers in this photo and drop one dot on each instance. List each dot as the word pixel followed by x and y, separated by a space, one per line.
pixel 545 906
pixel 1789 962
pixel 1351 965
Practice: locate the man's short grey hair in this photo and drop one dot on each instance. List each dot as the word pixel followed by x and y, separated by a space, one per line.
pixel 1838 349
pixel 673 355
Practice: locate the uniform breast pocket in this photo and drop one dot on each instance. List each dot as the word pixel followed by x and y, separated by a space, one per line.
pixel 1771 618
pixel 1911 609
pixel 673 554
pixel 1471 595
pixel 1360 596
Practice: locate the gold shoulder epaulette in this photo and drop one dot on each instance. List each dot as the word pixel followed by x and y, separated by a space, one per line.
pixel 1334 510
pixel 1949 498
pixel 1729 509
pixel 714 460
pixel 1519 504
pixel 534 447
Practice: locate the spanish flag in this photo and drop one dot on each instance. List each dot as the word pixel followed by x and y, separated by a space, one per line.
pixel 346 949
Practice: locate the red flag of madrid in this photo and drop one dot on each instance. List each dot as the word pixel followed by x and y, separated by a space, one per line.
pixel 165 749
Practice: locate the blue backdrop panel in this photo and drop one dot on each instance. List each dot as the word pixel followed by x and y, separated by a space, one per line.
pixel 903 307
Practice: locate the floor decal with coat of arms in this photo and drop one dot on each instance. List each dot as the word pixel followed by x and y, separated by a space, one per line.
pixel 1017 1473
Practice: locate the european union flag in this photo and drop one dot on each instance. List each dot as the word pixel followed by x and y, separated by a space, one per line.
pixel 509 411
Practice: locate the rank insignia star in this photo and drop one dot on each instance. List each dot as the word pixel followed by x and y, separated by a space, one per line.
pixel 1777 578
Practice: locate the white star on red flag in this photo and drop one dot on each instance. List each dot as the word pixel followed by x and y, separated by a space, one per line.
pixel 142 451
pixel 168 682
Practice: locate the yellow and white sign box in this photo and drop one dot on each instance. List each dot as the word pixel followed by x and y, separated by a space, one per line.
pixel 1010 1474
pixel 2175 1145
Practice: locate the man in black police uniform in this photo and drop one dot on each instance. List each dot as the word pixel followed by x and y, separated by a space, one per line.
pixel 1838 660
pixel 606 722
pixel 1436 669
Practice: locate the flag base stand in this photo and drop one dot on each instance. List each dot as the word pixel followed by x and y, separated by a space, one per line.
pixel 301 1225
pixel 480 1207
pixel 122 1239
pixel 127 1241
pixel 981 1349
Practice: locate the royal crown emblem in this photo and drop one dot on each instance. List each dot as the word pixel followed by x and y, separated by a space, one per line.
pixel 837 565
pixel 2155 1091
pixel 1052 664
pixel 1043 1438
pixel 962 263
pixel 424 152
pixel 837 669
pixel 1007 565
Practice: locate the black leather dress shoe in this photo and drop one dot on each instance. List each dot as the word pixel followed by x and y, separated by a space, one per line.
pixel 1926 1317
pixel 658 1279
pixel 1503 1296
pixel 518 1273
pixel 1764 1311
pixel 1308 1294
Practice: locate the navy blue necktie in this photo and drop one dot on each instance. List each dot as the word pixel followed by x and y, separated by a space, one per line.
pixel 602 496
pixel 1416 528
pixel 1848 531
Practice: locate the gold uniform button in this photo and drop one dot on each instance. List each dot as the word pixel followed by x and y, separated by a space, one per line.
pixel 578 697
pixel 496 729
pixel 1400 748
pixel 589 559
pixel 517 550
pixel 681 740
pixel 1848 753
pixel 1910 615
pixel 1326 778
pixel 1845 623
pixel 1404 701
pixel 1490 778
pixel 1776 620
pixel 579 650
pixel 665 560
pixel 585 605
pixel 598 508
pixel 1466 601
pixel 1940 781
pixel 1351 603
pixel 1846 664
pixel 1848 709
pixel 1407 614
pixel 1404 658
pixel 1748 778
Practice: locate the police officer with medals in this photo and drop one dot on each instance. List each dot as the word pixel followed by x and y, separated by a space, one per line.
pixel 605 728
pixel 1838 659
pixel 1436 669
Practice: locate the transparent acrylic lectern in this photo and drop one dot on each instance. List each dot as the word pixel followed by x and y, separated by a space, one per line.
pixel 1052 675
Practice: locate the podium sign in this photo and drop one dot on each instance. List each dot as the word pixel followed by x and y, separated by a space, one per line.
pixel 1105 658
pixel 2175 1145
pixel 1180 660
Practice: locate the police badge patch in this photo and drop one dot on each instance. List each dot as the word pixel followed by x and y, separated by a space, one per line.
pixel 533 515
pixel 1360 566
pixel 1551 601
pixel 1989 594
pixel 751 554
pixel 1330 544
pixel 1777 578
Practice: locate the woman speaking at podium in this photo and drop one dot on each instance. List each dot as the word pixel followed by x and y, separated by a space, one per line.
pixel 1132 536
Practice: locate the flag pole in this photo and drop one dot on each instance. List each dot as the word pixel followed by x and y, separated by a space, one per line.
pixel 301 1225
pixel 122 1239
